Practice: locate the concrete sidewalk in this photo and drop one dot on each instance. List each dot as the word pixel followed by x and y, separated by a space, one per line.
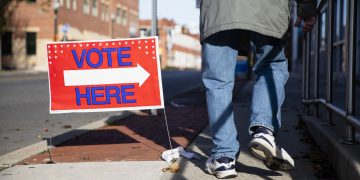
pixel 291 137
pixel 125 148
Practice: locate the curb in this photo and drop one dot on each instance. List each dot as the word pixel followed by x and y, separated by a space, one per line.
pixel 10 159
pixel 345 158
pixel 134 170
pixel 5 74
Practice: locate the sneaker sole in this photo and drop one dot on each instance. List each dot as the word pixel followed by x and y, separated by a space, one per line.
pixel 259 150
pixel 223 174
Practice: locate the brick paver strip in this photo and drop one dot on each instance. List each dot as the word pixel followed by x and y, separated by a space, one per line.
pixel 138 137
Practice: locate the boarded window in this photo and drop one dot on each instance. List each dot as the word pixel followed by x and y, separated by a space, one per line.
pixel 74 3
pixel 94 11
pixel 30 43
pixel 86 7
pixel 6 43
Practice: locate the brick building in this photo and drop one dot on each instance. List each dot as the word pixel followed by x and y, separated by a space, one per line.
pixel 24 42
pixel 177 46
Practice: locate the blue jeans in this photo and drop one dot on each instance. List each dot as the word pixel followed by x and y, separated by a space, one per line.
pixel 219 53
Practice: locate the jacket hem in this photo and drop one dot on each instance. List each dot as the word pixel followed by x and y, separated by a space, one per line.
pixel 240 25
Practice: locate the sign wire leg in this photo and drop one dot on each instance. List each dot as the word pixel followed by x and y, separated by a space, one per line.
pixel 167 129
pixel 49 143
pixel 50 158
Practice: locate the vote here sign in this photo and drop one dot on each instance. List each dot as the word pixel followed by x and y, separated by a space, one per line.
pixel 109 75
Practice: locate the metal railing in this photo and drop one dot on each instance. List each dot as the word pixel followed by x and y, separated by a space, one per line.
pixel 349 43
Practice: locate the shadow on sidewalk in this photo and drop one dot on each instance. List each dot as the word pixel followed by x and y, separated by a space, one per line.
pixel 196 166
pixel 247 166
pixel 100 137
pixel 136 137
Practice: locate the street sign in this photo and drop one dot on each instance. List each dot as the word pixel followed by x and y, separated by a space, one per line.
pixel 65 28
pixel 92 76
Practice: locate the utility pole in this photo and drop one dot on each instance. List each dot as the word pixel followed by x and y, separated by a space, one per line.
pixel 154 33
pixel 113 25
pixel 154 18
pixel 56 10
pixel 0 54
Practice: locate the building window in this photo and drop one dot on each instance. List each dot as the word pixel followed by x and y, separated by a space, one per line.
pixel 6 43
pixel 74 5
pixel 323 28
pixel 107 13
pixel 102 14
pixel 30 43
pixel 67 4
pixel 94 10
pixel 86 8
pixel 118 16
pixel 145 32
pixel 124 16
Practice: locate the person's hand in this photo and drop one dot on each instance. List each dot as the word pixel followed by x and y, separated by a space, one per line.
pixel 307 12
pixel 309 22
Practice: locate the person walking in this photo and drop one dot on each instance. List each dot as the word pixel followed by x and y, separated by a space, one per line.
pixel 226 29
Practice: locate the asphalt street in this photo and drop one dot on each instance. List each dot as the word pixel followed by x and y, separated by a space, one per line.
pixel 24 104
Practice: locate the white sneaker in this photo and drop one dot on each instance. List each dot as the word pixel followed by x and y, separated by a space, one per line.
pixel 263 147
pixel 223 167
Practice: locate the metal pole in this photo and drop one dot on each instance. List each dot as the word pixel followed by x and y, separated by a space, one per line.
pixel 56 9
pixel 154 18
pixel 112 27
pixel 295 40
pixel 307 70
pixel 55 25
pixel 329 63
pixel 304 69
pixel 154 33
pixel 350 68
pixel 0 56
pixel 316 69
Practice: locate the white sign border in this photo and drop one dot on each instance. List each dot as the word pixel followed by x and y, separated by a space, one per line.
pixel 161 106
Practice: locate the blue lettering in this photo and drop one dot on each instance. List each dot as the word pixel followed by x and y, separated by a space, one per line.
pixel 86 95
pixel 88 60
pixel 115 94
pixel 125 94
pixel 100 95
pixel 109 50
pixel 121 56
pixel 80 62
pixel 95 95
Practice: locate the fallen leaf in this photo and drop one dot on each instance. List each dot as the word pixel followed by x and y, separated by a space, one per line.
pixel 66 126
pixel 174 167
